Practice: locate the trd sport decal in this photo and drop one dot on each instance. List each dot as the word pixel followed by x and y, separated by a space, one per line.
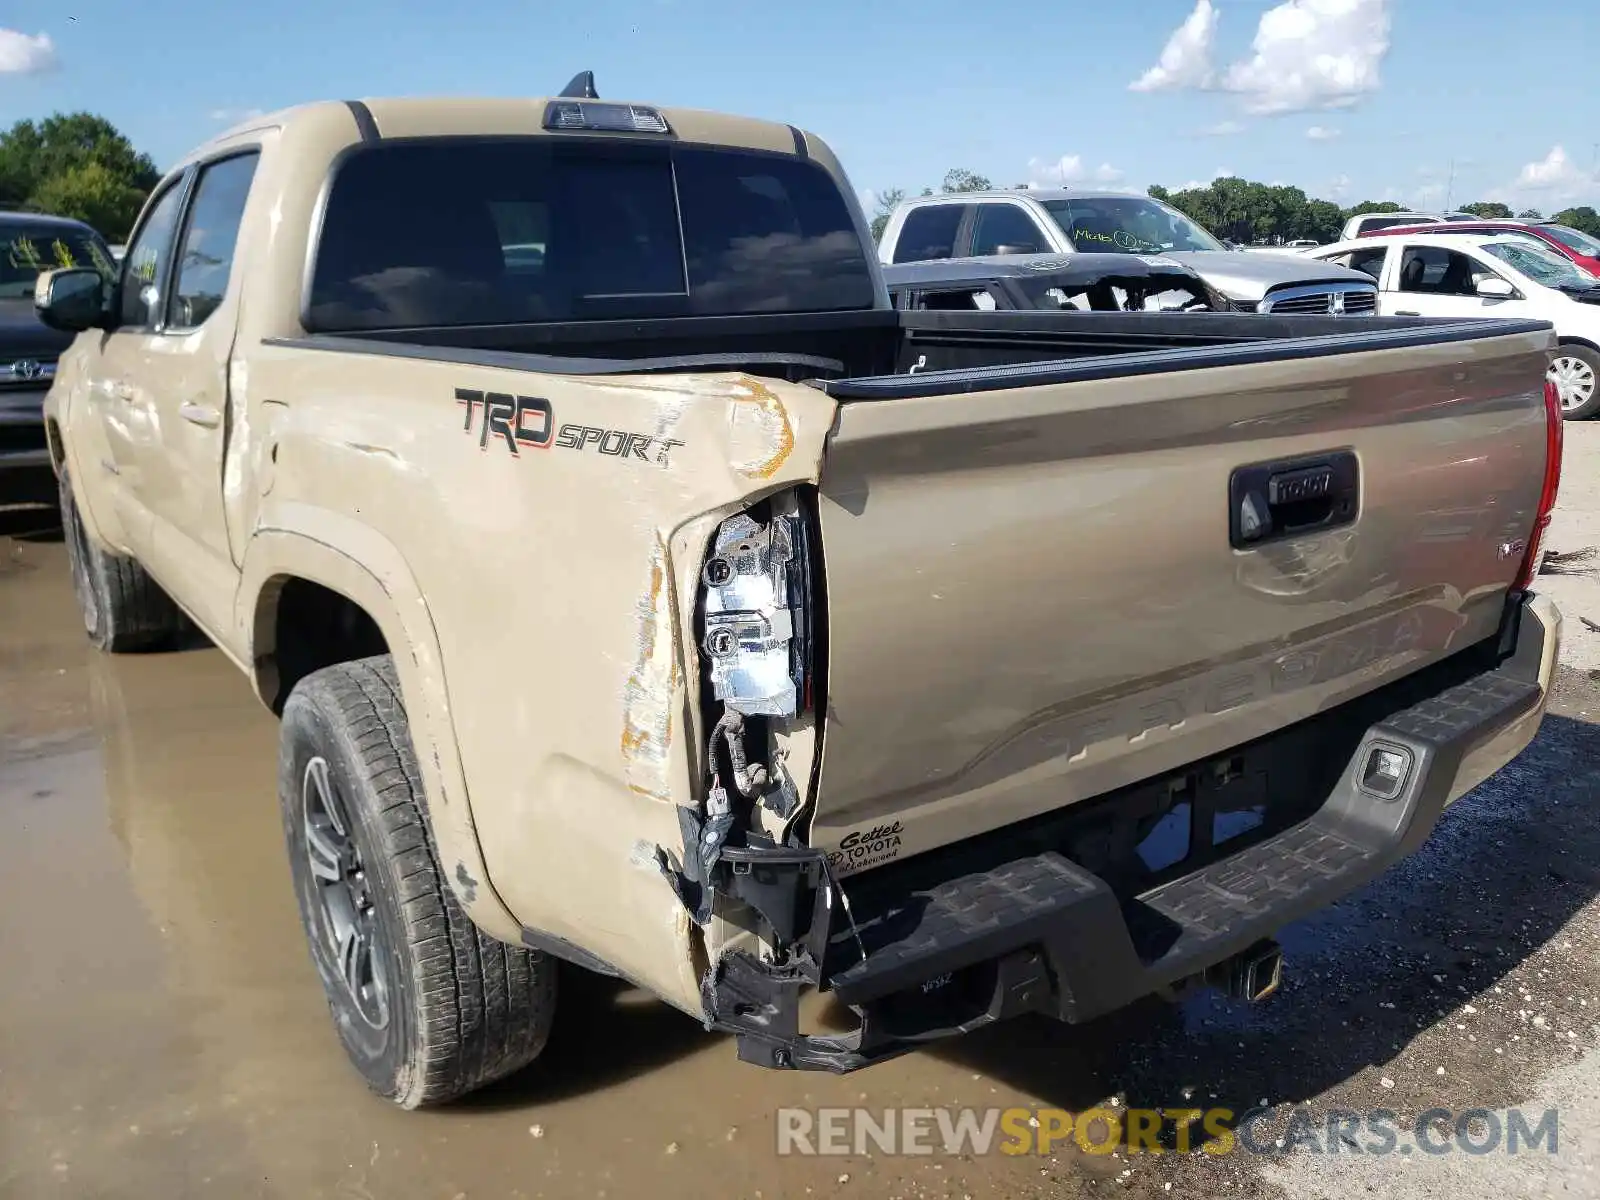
pixel 529 421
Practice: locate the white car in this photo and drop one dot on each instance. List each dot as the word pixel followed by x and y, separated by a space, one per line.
pixel 1489 275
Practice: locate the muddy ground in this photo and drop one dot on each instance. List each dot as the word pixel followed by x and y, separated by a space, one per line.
pixel 162 1032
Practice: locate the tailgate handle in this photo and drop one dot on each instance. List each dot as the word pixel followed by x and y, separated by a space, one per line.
pixel 1269 501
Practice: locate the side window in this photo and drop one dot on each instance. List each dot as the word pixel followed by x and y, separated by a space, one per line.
pixel 1375 223
pixel 929 232
pixel 146 258
pixel 1369 262
pixel 209 239
pixel 1437 271
pixel 1005 225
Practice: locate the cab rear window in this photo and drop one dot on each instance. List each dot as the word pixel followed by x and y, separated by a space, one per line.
pixel 448 231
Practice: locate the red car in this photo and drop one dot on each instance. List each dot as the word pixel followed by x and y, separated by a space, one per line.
pixel 1570 243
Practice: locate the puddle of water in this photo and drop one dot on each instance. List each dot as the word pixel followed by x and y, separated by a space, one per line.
pixel 164 1032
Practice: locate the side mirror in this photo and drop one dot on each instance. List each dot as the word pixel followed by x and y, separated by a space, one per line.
pixel 1495 288
pixel 71 299
pixel 1017 248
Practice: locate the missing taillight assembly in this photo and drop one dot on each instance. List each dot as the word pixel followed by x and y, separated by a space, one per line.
pixel 1555 431
pixel 758 596
pixel 754 634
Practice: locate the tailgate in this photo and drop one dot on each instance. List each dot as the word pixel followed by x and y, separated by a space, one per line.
pixel 1039 592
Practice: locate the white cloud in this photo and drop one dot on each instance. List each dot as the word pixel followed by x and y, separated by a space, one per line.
pixel 1185 60
pixel 1321 133
pixel 1306 55
pixel 1553 170
pixel 1070 169
pixel 25 54
pixel 1311 54
pixel 1223 129
pixel 1554 181
pixel 1338 186
pixel 1427 195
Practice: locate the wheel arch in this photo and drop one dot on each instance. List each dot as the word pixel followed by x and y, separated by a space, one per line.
pixel 319 563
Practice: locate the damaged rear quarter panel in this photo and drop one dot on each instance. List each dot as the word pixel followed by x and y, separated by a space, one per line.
pixel 561 569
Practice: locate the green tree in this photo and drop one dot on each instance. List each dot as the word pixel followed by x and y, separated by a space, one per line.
pixel 1200 205
pixel 1156 192
pixel 1324 220
pixel 1584 219
pixel 1489 210
pixel 91 192
pixel 1373 206
pixel 959 179
pixel 887 202
pixel 1530 214
pixel 75 164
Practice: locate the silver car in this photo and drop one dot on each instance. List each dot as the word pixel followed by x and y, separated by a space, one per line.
pixel 1069 220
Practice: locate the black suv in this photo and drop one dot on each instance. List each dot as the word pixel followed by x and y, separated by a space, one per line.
pixel 30 244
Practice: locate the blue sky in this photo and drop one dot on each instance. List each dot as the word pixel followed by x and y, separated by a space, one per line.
pixel 1349 99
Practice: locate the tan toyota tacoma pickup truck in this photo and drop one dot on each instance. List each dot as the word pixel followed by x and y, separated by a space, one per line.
pixel 638 588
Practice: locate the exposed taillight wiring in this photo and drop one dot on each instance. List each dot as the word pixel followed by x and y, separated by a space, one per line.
pixel 1555 431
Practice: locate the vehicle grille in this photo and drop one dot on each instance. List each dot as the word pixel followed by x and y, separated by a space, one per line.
pixel 17 439
pixel 23 371
pixel 1321 301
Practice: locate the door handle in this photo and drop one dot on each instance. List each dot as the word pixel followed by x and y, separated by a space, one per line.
pixel 1292 498
pixel 200 414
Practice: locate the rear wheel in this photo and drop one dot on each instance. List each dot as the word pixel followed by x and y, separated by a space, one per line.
pixel 1575 370
pixel 123 608
pixel 427 1006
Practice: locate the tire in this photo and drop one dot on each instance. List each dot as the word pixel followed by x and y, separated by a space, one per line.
pixel 1575 369
pixel 437 1008
pixel 123 609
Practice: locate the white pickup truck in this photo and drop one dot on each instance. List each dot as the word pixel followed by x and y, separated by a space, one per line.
pixel 1070 220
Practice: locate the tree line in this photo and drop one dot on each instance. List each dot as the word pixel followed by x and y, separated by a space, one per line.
pixel 1251 213
pixel 75 165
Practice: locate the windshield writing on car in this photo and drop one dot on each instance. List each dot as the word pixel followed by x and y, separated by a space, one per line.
pixel 1538 264
pixel 456 232
pixel 1128 225
pixel 28 250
